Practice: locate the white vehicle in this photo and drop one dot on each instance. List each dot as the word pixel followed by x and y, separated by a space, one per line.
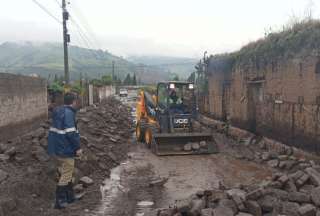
pixel 123 93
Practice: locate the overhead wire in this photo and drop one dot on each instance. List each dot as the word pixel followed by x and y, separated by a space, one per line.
pixel 58 3
pixel 47 11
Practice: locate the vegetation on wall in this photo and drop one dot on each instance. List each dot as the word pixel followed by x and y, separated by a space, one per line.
pixel 296 40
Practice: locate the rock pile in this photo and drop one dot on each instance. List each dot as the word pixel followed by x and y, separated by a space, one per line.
pixel 27 173
pixel 293 190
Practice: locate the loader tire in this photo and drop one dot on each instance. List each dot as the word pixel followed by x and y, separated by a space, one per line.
pixel 149 132
pixel 140 130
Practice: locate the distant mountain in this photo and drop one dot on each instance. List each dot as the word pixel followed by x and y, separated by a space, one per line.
pixel 183 67
pixel 46 59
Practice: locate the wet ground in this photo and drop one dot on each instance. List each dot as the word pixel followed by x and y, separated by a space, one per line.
pixel 128 192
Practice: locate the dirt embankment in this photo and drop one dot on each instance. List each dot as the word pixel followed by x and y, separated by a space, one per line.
pixel 28 175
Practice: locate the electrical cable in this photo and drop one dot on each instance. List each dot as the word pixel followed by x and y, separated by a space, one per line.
pixel 47 11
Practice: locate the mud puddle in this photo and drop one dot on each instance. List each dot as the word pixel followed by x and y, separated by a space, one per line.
pixel 127 191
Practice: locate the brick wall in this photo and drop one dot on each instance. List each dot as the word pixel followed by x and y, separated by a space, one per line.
pixel 23 104
pixel 280 100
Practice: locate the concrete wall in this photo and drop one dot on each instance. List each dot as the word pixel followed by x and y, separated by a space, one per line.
pixel 280 100
pixel 23 104
pixel 106 91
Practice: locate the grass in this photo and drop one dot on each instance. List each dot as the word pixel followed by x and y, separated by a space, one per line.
pixel 297 40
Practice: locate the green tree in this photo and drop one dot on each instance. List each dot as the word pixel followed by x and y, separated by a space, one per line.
pixel 127 80
pixel 107 80
pixel 56 87
pixel 192 77
pixel 134 80
pixel 176 78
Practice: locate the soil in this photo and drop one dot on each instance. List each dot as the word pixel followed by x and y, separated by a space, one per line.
pixel 122 170
pixel 186 175
pixel 29 181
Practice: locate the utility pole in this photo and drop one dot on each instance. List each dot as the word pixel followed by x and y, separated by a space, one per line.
pixel 113 70
pixel 66 40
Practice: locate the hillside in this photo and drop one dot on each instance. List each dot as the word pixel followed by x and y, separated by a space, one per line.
pixel 46 59
pixel 183 67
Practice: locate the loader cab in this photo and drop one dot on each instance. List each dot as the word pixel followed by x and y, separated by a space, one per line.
pixel 175 106
pixel 176 97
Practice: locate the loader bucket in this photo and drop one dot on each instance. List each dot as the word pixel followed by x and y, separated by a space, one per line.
pixel 184 144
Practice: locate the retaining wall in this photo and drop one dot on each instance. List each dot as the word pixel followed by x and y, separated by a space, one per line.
pixel 23 104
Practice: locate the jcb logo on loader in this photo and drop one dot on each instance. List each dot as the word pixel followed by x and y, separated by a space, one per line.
pixel 181 121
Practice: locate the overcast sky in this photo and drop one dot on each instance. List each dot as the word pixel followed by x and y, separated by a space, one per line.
pixel 154 27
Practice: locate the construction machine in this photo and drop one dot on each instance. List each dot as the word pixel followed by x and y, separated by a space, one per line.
pixel 166 121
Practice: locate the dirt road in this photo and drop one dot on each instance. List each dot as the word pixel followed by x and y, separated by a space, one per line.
pixel 128 192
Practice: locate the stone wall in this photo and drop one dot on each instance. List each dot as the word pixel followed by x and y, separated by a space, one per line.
pixel 280 100
pixel 23 104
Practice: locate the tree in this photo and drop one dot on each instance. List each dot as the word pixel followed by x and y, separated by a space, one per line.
pixel 134 80
pixel 127 80
pixel 192 77
pixel 107 80
pixel 176 78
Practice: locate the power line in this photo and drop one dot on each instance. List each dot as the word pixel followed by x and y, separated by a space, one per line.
pixel 86 26
pixel 82 33
pixel 58 3
pixel 47 11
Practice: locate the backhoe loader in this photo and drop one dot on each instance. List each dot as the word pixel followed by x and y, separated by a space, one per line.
pixel 166 121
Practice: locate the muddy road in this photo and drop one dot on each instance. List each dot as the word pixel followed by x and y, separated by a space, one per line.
pixel 130 185
pixel 130 189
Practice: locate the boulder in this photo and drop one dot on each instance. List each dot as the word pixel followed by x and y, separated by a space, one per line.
pixel 223 211
pixel 11 151
pixel 8 205
pixel 283 179
pixel 3 175
pixel 238 192
pixel 302 180
pixel 253 208
pixel 195 146
pixel 267 203
pixel 290 208
pixel 78 188
pixel 314 175
pixel 255 194
pixel 307 210
pixel 183 205
pixel 278 193
pixel 307 188
pixel 4 158
pixel 227 203
pixel 315 196
pixel 207 212
pixel 86 181
pixel 290 186
pixel 187 147
pixel 244 214
pixel 3 148
pixel 196 206
pixel 203 144
pixel 273 163
pixel 295 176
pixel 299 197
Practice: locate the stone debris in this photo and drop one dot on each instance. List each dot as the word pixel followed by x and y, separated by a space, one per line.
pixel 293 190
pixel 86 181
pixel 158 182
pixel 105 130
pixel 3 175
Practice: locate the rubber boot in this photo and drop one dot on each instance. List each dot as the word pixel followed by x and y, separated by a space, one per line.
pixel 61 197
pixel 70 193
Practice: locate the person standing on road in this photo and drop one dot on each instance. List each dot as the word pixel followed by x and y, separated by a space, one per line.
pixel 64 145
